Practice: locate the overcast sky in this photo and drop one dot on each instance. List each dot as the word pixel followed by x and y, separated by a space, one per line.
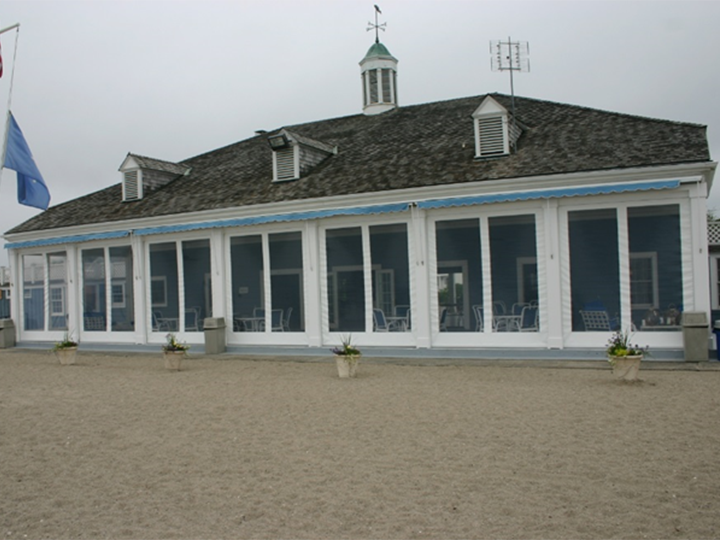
pixel 97 79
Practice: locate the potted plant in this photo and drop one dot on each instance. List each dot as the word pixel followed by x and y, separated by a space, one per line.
pixel 66 350
pixel 173 352
pixel 624 357
pixel 347 357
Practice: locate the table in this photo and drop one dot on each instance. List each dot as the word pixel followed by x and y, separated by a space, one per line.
pixel 507 323
pixel 250 324
pixel 398 324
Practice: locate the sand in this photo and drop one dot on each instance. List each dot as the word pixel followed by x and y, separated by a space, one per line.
pixel 118 447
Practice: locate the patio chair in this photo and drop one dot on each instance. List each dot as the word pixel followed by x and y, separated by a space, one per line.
pixel 380 323
pixel 286 320
pixel 529 319
pixel 276 320
pixel 595 320
pixel 478 312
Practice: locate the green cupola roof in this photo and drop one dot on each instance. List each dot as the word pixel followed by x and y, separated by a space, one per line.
pixel 378 50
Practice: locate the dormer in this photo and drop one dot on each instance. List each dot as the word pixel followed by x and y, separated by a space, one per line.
pixel 141 175
pixel 495 132
pixel 295 155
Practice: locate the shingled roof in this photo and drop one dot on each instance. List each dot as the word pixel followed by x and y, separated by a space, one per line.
pixel 408 147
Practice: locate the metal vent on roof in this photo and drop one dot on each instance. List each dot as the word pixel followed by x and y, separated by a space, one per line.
pixel 492 136
pixel 285 162
pixel 131 191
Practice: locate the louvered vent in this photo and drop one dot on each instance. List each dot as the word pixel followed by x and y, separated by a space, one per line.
pixel 492 136
pixel 130 186
pixel 285 162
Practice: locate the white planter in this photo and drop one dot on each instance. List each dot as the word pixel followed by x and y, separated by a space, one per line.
pixel 173 359
pixel 347 365
pixel 626 368
pixel 66 355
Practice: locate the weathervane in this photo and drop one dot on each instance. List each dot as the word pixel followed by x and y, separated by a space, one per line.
pixel 376 26
pixel 510 56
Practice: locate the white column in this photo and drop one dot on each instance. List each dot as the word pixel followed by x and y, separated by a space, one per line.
pixel 140 289
pixel 624 268
pixel 220 307
pixel 74 291
pixel 551 306
pixel 316 317
pixel 16 290
pixel 701 274
pixel 420 279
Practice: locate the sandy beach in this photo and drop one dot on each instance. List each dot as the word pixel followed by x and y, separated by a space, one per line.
pixel 118 447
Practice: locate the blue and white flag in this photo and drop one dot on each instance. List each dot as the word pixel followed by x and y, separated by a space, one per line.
pixel 32 190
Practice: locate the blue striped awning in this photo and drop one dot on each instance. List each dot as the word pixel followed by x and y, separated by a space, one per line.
pixel 276 218
pixel 515 196
pixel 67 239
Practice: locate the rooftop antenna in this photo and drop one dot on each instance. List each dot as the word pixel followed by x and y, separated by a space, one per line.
pixel 376 26
pixel 510 56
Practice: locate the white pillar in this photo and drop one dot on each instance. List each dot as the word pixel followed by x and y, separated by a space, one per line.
pixel 551 305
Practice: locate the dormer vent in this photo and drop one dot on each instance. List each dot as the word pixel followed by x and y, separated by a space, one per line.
pixel 495 133
pixel 131 190
pixel 141 175
pixel 294 156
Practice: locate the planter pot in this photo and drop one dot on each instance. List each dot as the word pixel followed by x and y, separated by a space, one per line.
pixel 626 367
pixel 173 359
pixel 66 355
pixel 347 365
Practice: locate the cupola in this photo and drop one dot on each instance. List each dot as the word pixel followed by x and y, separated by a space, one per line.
pixel 379 80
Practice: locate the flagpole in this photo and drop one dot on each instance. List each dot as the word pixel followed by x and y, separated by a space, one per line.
pixel 16 27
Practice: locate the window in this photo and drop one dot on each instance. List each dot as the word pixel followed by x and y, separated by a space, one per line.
pixel 715 279
pixel 118 295
pixel 57 301
pixel 643 280
pixel 159 291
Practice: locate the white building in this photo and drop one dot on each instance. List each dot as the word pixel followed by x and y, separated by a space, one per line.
pixel 448 225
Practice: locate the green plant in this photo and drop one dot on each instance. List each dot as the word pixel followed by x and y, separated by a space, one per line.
pixel 173 345
pixel 619 345
pixel 347 348
pixel 66 343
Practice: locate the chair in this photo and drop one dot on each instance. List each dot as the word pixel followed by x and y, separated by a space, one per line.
pixel 403 312
pixel 595 320
pixel 286 320
pixel 529 319
pixel 276 320
pixel 478 312
pixel 93 321
pixel 443 320
pixel 379 321
pixel 160 324
pixel 192 319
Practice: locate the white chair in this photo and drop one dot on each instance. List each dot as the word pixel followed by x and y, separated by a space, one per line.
pixel 379 321
pixel 286 320
pixel 529 319
pixel 276 320
pixel 595 320
pixel 478 312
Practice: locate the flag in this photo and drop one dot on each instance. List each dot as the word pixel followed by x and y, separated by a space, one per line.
pixel 32 190
pixel 0 62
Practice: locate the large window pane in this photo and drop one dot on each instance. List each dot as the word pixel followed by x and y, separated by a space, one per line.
pixel 594 272
pixel 514 273
pixel 248 299
pixel 34 292
pixel 57 263
pixel 197 283
pixel 164 288
pixel 286 272
pixel 346 290
pixel 391 279
pixel 655 267
pixel 459 275
pixel 121 289
pixel 94 304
